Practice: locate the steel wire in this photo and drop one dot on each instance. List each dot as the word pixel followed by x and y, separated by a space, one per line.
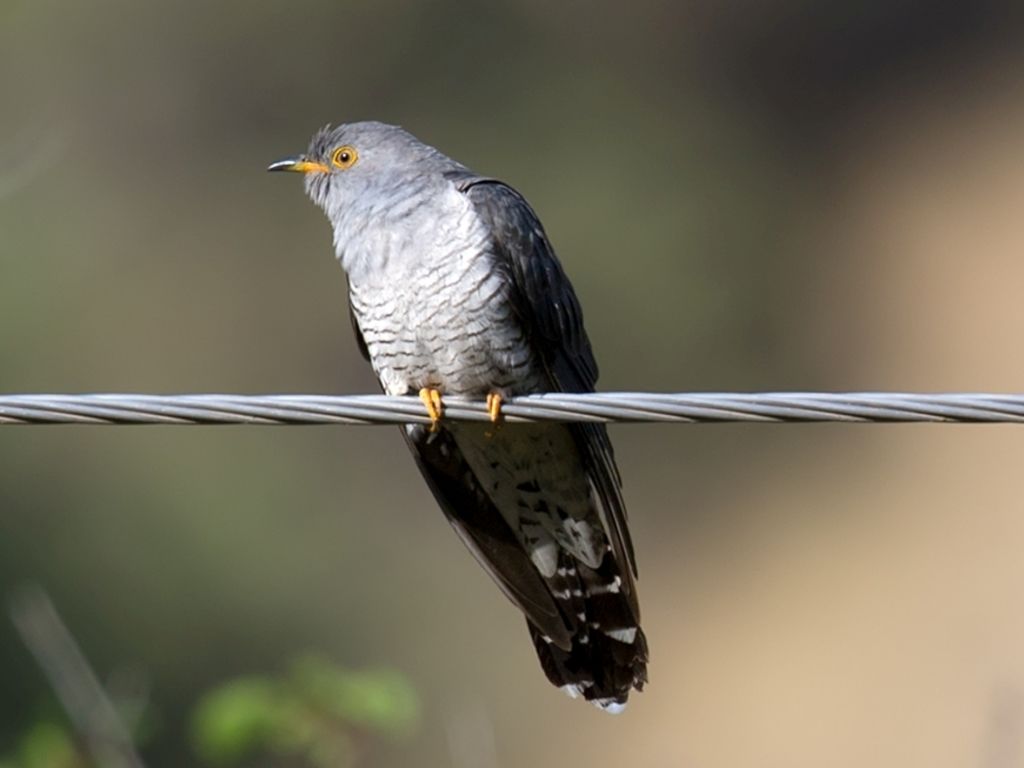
pixel 691 407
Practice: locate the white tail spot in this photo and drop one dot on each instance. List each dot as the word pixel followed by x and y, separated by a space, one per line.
pixel 610 706
pixel 613 587
pixel 622 635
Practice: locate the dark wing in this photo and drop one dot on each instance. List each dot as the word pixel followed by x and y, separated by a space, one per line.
pixel 544 298
pixel 547 307
pixel 484 530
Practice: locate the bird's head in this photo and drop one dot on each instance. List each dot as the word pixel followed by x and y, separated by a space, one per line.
pixel 363 163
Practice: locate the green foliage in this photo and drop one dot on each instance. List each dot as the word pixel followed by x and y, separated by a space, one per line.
pixel 376 700
pixel 317 713
pixel 318 710
pixel 45 745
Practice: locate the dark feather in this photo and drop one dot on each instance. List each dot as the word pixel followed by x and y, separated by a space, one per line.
pixel 547 306
pixel 598 664
pixel 544 299
pixel 483 529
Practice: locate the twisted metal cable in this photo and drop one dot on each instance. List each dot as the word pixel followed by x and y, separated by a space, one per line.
pixel 888 407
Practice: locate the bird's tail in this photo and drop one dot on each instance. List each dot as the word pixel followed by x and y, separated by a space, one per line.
pixel 608 653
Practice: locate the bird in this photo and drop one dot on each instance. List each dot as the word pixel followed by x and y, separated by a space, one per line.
pixel 454 289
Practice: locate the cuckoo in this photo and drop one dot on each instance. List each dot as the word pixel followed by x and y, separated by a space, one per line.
pixel 454 290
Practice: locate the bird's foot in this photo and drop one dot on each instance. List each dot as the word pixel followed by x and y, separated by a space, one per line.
pixel 435 408
pixel 494 401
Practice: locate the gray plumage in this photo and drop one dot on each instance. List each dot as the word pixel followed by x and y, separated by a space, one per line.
pixel 454 286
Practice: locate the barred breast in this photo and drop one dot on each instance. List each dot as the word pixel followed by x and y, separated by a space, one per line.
pixel 432 302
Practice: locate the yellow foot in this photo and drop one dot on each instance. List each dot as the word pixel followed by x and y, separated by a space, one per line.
pixel 435 408
pixel 494 401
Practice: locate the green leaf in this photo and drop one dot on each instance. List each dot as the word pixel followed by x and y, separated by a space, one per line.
pixel 376 699
pixel 46 745
pixel 243 716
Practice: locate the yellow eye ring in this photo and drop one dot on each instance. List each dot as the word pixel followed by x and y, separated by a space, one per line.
pixel 344 157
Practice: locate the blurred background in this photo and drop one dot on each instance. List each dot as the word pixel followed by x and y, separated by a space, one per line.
pixel 782 194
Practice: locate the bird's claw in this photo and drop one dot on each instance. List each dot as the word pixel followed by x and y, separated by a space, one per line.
pixel 435 408
pixel 494 401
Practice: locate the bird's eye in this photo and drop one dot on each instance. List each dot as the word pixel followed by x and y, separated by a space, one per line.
pixel 344 157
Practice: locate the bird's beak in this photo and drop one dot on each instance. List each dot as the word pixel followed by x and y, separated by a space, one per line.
pixel 298 165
